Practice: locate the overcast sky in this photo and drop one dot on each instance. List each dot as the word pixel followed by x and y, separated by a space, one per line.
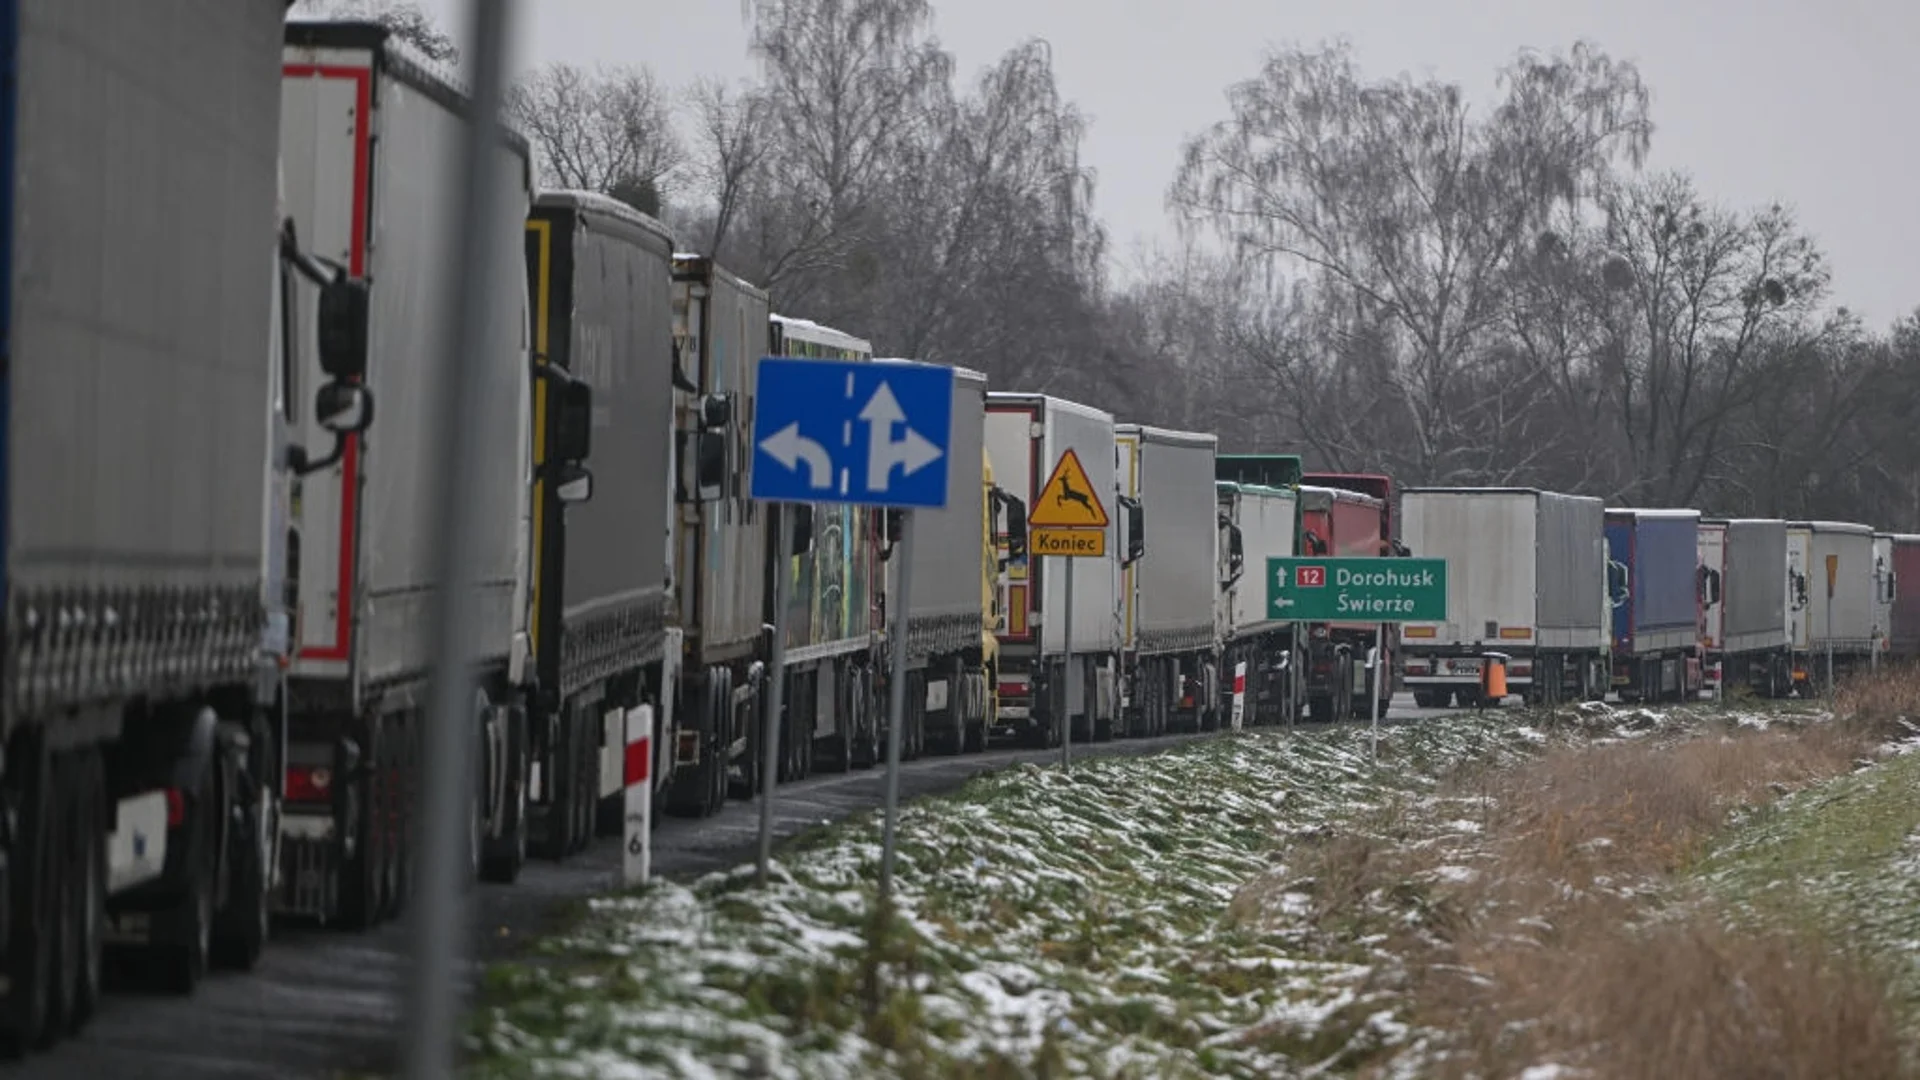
pixel 1810 103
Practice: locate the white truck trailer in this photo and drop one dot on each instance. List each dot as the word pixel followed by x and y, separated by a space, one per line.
pixel 1837 622
pixel 145 547
pixel 1169 646
pixel 1748 591
pixel 370 133
pixel 950 646
pixel 1526 577
pixel 1261 523
pixel 1026 436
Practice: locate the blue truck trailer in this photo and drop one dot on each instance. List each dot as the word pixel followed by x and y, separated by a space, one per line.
pixel 1653 586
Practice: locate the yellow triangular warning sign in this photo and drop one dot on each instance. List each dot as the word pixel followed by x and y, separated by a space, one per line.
pixel 1068 499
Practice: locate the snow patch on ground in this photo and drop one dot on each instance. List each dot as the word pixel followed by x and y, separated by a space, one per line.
pixel 1128 918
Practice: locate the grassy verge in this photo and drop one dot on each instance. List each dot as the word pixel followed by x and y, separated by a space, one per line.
pixel 1579 939
pixel 1047 924
pixel 1842 860
pixel 1501 893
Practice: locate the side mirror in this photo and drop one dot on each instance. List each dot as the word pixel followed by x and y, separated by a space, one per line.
pixel 344 408
pixel 1236 555
pixel 343 328
pixel 716 412
pixel 573 421
pixel 575 486
pixel 710 466
pixel 1136 530
pixel 802 536
pixel 1016 529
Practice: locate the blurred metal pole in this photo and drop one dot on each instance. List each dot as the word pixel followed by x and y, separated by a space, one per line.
pixel 474 250
pixel 1067 682
pixel 777 688
pixel 900 604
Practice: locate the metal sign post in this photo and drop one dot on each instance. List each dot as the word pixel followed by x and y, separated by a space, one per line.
pixel 1066 687
pixel 777 689
pixel 807 450
pixel 1379 663
pixel 896 702
pixel 475 246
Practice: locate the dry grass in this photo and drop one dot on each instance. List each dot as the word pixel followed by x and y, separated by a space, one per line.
pixel 1880 706
pixel 1677 997
pixel 1559 949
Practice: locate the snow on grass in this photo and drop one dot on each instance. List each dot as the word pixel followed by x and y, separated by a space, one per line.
pixel 1135 917
pixel 1079 919
pixel 1844 854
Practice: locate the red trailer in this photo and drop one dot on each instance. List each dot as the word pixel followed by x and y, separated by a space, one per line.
pixel 1342 523
pixel 1373 485
pixel 1904 636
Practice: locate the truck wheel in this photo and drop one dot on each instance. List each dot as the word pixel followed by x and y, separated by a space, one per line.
pixel 360 878
pixel 33 883
pixel 556 838
pixel 505 857
pixel 67 910
pixel 801 723
pixel 184 938
pixel 749 783
pixel 586 792
pixel 240 929
pixel 91 861
pixel 719 727
pixel 397 770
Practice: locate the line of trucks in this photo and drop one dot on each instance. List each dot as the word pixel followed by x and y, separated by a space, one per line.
pixel 224 235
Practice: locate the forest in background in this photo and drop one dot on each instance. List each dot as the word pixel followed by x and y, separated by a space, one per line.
pixel 1373 272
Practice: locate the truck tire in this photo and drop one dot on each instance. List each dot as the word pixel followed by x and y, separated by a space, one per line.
pixel 240 928
pixel 752 762
pixel 361 895
pixel 556 834
pixel 183 936
pixel 91 861
pixel 69 853
pixel 34 884
pixel 718 741
pixel 506 856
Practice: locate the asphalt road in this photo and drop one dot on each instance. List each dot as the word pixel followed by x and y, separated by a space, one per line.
pixel 322 1002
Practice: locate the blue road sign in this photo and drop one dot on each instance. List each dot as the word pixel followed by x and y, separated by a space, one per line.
pixel 835 431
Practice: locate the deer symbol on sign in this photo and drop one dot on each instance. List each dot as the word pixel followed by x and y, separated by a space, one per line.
pixel 1068 495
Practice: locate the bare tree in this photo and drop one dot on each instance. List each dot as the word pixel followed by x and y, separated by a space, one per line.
pixel 732 138
pixel 847 82
pixel 1706 309
pixel 1407 210
pixel 403 17
pixel 989 227
pixel 609 130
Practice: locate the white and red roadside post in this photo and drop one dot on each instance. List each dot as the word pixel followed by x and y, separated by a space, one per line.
pixel 1239 695
pixel 636 863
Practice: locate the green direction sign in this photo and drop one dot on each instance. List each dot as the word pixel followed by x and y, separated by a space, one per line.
pixel 1357 590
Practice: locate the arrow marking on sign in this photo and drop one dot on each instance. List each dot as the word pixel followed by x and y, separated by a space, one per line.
pixel 788 447
pixel 912 452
